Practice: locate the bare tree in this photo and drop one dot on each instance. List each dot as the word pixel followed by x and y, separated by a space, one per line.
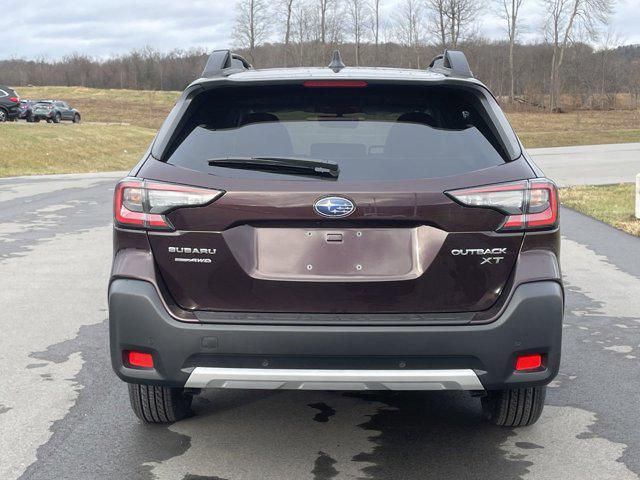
pixel 286 12
pixel 565 18
pixel 359 17
pixel 376 22
pixel 462 16
pixel 286 7
pixel 375 25
pixel 324 17
pixel 509 10
pixel 324 7
pixel 336 23
pixel 609 39
pixel 303 29
pixel 439 23
pixel 252 23
pixel 453 20
pixel 409 26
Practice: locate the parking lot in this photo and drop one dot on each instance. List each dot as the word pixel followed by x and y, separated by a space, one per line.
pixel 64 414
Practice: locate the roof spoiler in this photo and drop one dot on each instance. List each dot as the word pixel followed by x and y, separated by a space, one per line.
pixel 452 63
pixel 224 62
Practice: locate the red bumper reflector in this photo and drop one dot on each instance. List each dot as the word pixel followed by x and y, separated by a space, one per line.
pixel 139 359
pixel 528 362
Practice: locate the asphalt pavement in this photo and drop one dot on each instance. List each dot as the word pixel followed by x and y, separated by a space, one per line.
pixel 65 415
pixel 589 164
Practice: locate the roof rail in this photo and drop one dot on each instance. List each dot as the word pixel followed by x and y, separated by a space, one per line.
pixel 224 62
pixel 452 63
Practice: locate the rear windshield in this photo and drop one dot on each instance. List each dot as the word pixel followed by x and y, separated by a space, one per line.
pixel 373 133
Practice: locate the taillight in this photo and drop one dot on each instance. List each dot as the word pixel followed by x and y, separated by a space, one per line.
pixel 144 204
pixel 14 99
pixel 528 204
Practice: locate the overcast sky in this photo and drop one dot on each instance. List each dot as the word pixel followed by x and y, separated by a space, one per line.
pixel 102 28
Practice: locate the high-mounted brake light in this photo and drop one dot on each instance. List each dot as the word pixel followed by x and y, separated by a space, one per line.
pixel 528 204
pixel 335 84
pixel 144 204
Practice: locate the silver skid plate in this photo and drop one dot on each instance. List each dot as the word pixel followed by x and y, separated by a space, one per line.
pixel 308 379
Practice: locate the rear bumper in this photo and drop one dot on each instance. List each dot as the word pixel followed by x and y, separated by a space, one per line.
pixel 467 357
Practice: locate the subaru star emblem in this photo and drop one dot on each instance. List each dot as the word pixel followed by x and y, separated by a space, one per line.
pixel 334 207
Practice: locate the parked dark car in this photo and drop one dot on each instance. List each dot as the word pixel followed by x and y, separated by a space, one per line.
pixel 9 104
pixel 336 229
pixel 54 111
pixel 26 110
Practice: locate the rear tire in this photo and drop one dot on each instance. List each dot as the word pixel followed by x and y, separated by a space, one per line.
pixel 517 407
pixel 159 404
pixel 57 118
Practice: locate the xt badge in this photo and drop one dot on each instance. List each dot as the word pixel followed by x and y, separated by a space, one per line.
pixel 491 260
pixel 490 256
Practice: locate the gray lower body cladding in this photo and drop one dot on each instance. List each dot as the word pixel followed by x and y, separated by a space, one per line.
pixel 236 355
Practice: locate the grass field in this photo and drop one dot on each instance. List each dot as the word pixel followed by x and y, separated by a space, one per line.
pixel 612 204
pixel 41 148
pixel 582 127
pixel 95 146
pixel 144 108
pixel 537 129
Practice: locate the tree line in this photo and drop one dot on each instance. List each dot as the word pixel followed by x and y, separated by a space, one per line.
pixel 272 33
pixel 420 26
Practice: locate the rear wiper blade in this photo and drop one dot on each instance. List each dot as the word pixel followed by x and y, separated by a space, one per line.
pixel 300 166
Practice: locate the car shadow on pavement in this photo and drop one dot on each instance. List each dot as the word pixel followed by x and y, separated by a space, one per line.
pixel 378 435
pixel 435 435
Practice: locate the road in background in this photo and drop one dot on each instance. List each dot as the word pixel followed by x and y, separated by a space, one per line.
pixel 589 164
pixel 64 414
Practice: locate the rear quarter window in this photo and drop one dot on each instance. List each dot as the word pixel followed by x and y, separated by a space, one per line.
pixel 373 133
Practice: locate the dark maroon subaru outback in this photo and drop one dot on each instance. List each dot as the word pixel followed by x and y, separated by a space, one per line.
pixel 336 229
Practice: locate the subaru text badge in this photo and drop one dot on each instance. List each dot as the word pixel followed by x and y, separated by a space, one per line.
pixel 334 207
